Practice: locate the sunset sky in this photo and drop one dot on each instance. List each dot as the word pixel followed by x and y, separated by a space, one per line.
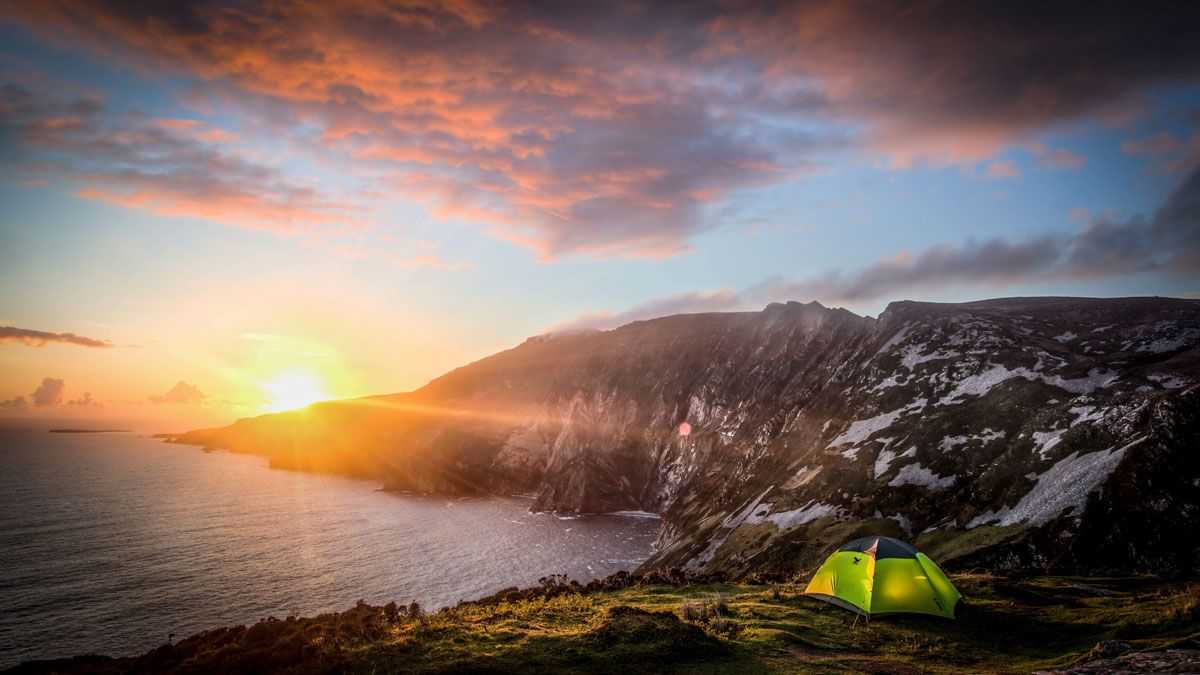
pixel 235 208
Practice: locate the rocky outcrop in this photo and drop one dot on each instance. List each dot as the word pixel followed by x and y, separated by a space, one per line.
pixel 1058 433
pixel 1138 663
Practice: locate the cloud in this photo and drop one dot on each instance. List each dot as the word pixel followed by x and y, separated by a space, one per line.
pixel 950 82
pixel 683 303
pixel 182 393
pixel 569 130
pixel 1168 152
pixel 1163 143
pixel 169 169
pixel 1003 169
pixel 580 128
pixel 85 401
pixel 1166 244
pixel 995 261
pixel 48 393
pixel 609 131
pixel 1057 158
pixel 17 403
pixel 38 338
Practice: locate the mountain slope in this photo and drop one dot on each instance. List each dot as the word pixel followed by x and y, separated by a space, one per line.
pixel 1052 432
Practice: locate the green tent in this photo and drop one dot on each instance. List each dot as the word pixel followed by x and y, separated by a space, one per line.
pixel 881 575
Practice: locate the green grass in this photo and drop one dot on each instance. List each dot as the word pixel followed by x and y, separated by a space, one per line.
pixel 947 545
pixel 1007 625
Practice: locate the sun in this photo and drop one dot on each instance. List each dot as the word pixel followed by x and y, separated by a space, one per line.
pixel 293 389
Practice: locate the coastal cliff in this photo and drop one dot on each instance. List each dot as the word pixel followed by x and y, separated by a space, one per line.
pixel 1047 433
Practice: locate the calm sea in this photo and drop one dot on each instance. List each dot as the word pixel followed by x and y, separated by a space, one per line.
pixel 110 542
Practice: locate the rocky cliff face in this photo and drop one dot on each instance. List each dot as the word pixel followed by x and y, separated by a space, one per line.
pixel 1049 432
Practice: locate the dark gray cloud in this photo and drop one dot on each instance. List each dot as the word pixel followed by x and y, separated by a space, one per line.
pixel 995 261
pixel 1167 243
pixel 952 81
pixel 39 338
pixel 181 393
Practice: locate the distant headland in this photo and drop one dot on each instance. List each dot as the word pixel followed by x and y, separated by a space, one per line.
pixel 91 431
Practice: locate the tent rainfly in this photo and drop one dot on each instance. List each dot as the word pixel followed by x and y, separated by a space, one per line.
pixel 880 575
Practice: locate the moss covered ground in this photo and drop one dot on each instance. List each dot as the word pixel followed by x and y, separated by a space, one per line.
pixel 660 625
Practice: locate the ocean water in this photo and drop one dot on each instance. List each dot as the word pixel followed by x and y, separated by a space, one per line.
pixel 111 542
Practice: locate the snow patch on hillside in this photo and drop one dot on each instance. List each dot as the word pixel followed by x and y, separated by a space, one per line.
pixel 896 339
pixel 786 520
pixel 915 474
pixel 1170 344
pixel 986 436
pixel 1167 381
pixel 893 380
pixel 1044 441
pixel 737 518
pixel 1066 485
pixel 1085 413
pixel 982 382
pixel 803 477
pixel 913 356
pixel 886 457
pixel 901 520
pixel 861 430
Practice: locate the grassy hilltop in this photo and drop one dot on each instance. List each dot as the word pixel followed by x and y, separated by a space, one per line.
pixel 661 624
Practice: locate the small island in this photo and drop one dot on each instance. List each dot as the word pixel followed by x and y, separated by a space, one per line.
pixel 91 431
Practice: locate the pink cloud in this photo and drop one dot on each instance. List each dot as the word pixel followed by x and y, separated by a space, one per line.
pixel 579 128
pixel 1003 169
pixel 1057 158
pixel 168 167
pixel 1168 153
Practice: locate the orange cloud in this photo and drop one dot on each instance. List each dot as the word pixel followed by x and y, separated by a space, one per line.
pixel 48 393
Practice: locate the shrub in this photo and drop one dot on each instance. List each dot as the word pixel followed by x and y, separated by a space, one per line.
pixel 693 612
pixel 415 612
pixel 706 610
pixel 724 626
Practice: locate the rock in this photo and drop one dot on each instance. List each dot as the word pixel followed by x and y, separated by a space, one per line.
pixel 1108 649
pixel 1158 663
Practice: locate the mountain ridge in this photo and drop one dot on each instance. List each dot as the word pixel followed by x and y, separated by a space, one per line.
pixel 1034 428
